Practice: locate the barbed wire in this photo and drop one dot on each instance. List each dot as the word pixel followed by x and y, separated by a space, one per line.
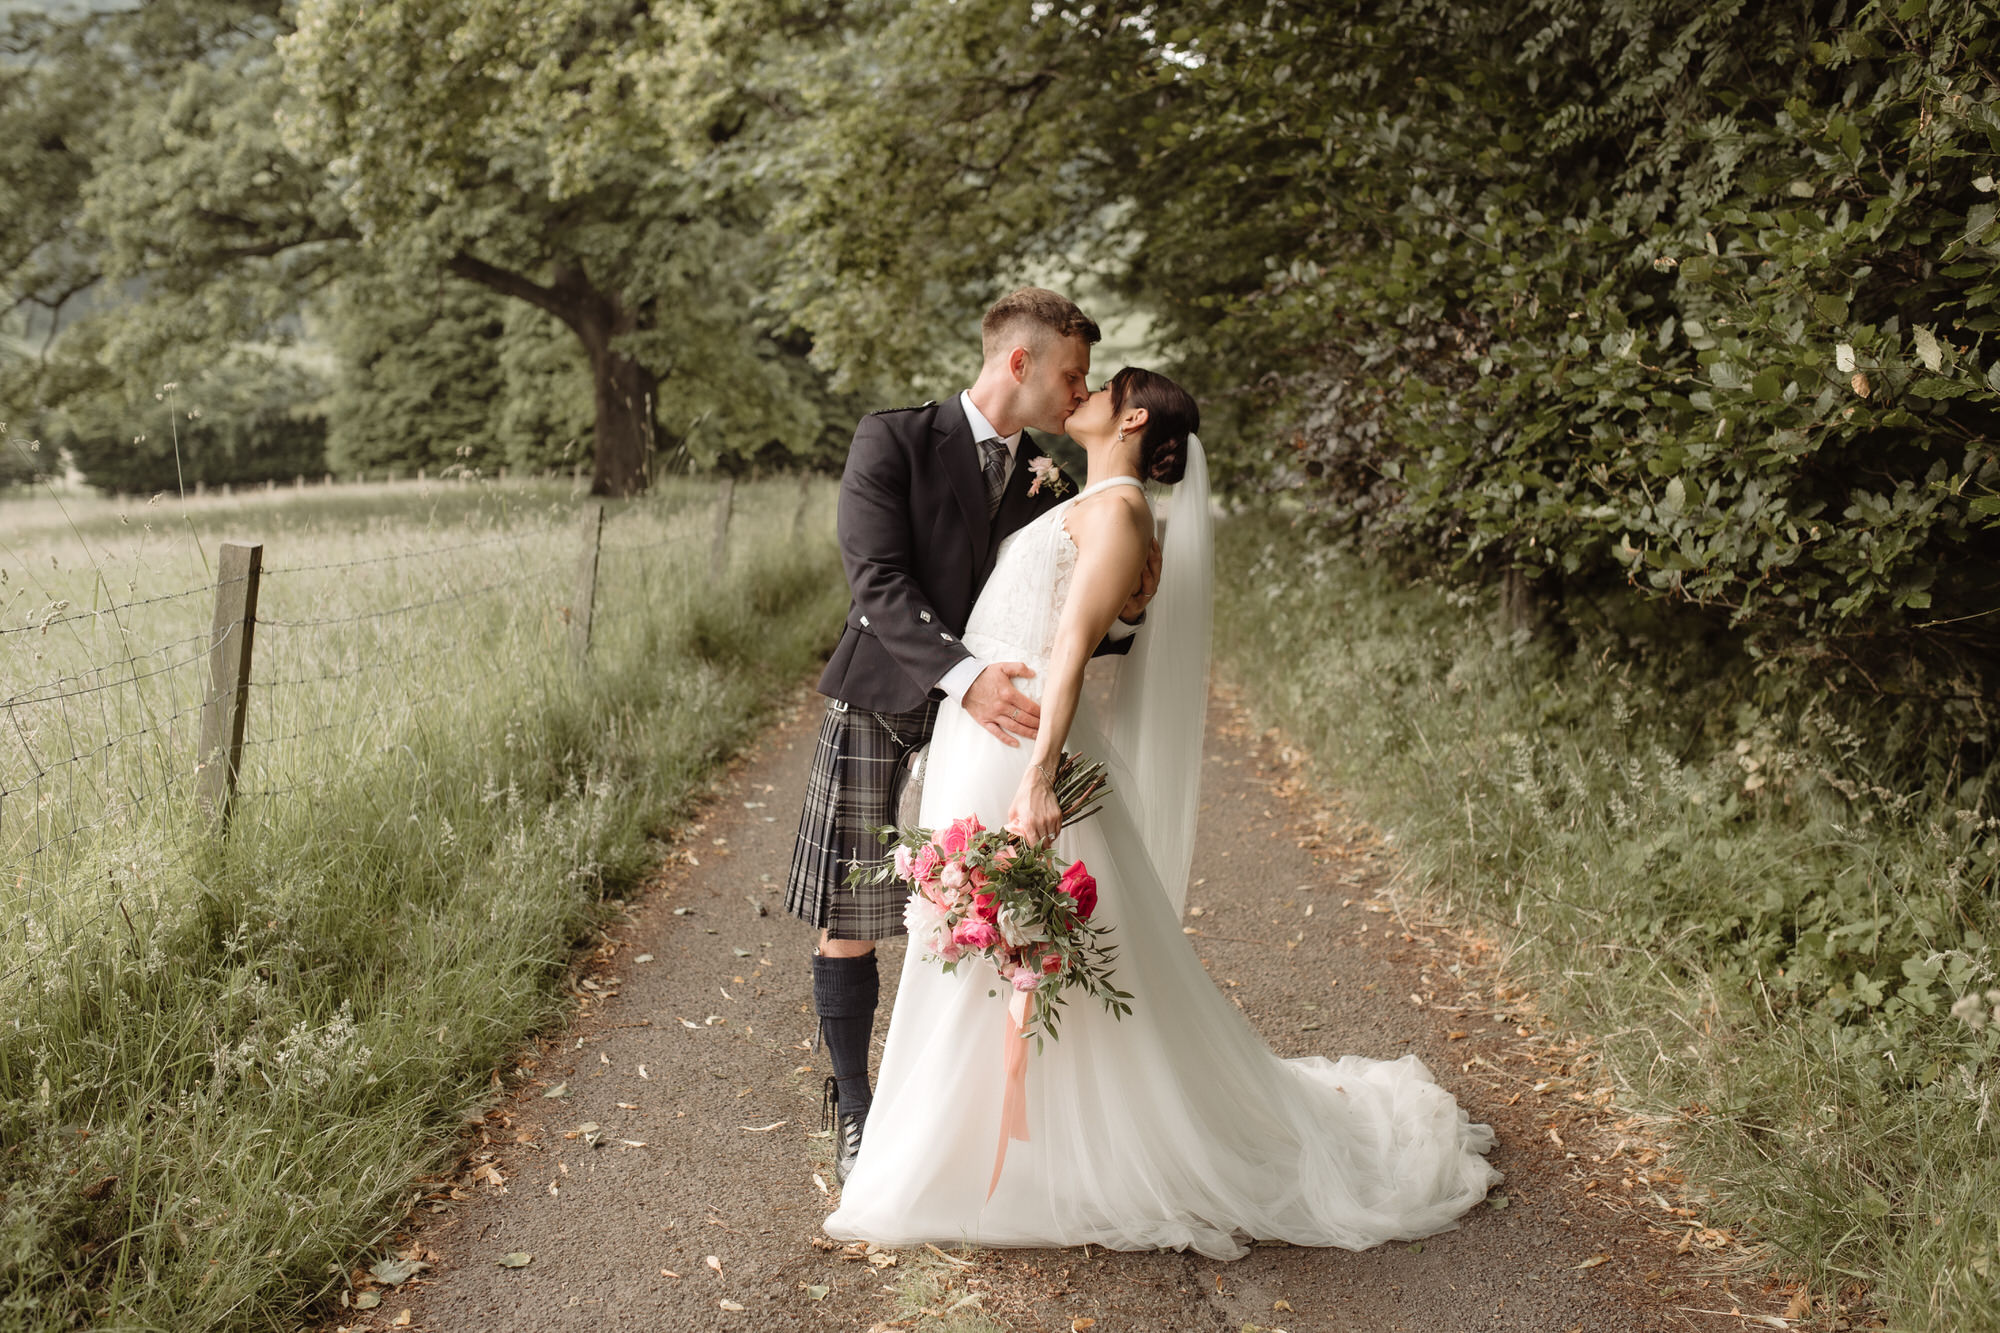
pixel 99 613
pixel 250 743
pixel 514 538
pixel 30 698
pixel 174 778
pixel 407 607
pixel 78 757
pixel 363 669
pixel 626 548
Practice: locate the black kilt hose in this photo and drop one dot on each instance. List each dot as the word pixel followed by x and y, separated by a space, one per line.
pixel 847 798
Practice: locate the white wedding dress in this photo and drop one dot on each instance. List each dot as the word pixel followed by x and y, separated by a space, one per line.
pixel 1174 1127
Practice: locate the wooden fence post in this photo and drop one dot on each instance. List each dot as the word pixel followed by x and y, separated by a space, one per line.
pixel 221 756
pixel 585 601
pixel 718 554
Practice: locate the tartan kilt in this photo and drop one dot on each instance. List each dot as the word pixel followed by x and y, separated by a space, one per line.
pixel 847 795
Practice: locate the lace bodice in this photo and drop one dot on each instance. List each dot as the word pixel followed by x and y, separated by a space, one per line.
pixel 1017 613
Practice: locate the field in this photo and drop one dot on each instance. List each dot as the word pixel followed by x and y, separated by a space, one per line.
pixel 229 1055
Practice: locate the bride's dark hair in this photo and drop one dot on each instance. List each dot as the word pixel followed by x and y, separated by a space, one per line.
pixel 1171 416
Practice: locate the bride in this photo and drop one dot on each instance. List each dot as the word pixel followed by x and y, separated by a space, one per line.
pixel 1174 1126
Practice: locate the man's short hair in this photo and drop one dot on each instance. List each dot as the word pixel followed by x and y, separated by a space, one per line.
pixel 1029 317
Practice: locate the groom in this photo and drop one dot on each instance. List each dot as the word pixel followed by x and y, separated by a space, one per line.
pixel 928 495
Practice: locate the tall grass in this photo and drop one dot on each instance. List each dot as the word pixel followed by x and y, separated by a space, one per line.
pixel 223 1061
pixel 1769 930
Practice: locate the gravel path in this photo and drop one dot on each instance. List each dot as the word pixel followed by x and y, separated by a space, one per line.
pixel 695 1202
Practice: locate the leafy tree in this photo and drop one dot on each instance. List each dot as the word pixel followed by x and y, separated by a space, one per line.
pixel 252 417
pixel 593 159
pixel 1687 301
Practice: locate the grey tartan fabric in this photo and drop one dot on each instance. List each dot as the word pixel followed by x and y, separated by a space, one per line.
pixel 995 472
pixel 847 795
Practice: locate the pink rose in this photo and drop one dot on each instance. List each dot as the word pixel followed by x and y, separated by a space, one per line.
pixel 1051 964
pixel 977 878
pixel 953 875
pixel 1078 884
pixel 959 836
pixel 1006 856
pixel 905 866
pixel 1027 979
pixel 926 865
pixel 972 933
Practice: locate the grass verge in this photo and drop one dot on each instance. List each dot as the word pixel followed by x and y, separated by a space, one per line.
pixel 217 1085
pixel 1784 942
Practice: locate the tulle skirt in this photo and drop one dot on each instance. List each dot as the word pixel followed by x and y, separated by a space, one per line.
pixel 1174 1127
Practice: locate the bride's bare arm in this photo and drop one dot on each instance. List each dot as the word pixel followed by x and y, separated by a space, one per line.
pixel 1112 536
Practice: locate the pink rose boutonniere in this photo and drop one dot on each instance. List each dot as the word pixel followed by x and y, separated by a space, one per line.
pixel 1046 473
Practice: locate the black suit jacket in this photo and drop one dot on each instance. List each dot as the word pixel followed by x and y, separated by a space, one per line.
pixel 917 547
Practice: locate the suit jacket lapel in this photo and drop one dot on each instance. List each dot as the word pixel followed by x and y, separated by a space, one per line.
pixel 952 437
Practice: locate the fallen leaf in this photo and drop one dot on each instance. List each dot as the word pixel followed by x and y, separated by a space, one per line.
pixel 1286 1306
pixel 400 1321
pixel 559 1090
pixel 1456 1036
pixel 820 1181
pixel 628 1106
pixel 643 1074
pixel 395 1272
pixel 764 1129
pixel 668 1272
pixel 1594 1260
pixel 713 1262
pixel 633 1143
pixel 515 1260
pixel 817 1292
pixel 730 1306
pixel 1497 1201
pixel 366 1300
pixel 882 1259
pixel 1078 1325
pixel 643 958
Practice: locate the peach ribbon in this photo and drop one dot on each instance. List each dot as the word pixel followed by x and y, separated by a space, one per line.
pixel 1014 1103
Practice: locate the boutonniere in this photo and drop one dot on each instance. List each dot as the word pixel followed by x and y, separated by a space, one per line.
pixel 1045 472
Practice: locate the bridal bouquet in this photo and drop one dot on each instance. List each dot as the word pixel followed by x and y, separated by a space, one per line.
pixel 978 893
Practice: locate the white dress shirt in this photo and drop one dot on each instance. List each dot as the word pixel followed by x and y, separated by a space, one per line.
pixel 955 682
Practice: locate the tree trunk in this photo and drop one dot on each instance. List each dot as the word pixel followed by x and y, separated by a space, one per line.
pixel 625 391
pixel 622 458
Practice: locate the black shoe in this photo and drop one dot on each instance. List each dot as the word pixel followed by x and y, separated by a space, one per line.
pixel 846 1131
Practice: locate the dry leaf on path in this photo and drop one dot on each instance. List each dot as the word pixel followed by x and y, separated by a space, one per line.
pixel 713 1262
pixel 1594 1260
pixel 516 1260
pixel 763 1129
pixel 730 1306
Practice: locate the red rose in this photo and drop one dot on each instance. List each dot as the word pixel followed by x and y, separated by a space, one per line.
pixel 987 905
pixel 1078 884
pixel 959 836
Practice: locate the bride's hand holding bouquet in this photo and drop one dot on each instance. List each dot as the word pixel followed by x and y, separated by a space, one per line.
pixel 1002 896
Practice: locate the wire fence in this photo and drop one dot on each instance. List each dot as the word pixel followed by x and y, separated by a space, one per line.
pixel 118 715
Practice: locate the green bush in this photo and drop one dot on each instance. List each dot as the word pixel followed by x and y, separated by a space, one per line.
pixel 1773 929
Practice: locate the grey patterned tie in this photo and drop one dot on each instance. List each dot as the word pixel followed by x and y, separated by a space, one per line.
pixel 995 468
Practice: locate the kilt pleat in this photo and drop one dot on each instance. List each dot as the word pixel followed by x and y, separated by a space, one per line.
pixel 847 797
